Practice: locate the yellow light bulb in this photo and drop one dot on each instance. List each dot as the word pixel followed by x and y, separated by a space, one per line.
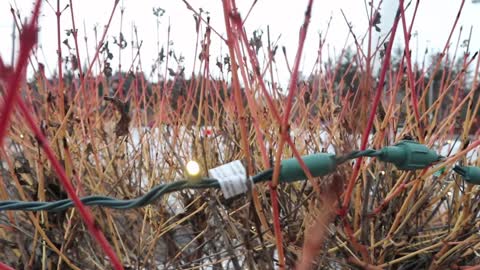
pixel 193 168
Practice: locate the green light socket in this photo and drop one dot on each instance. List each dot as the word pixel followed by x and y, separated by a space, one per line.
pixel 471 174
pixel 319 164
pixel 409 155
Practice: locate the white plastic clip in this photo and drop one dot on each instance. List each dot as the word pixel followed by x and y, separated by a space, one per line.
pixel 232 178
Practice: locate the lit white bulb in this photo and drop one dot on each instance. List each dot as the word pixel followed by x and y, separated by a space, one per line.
pixel 193 168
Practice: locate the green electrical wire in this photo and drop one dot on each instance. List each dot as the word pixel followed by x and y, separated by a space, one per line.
pixel 110 202
pixel 357 154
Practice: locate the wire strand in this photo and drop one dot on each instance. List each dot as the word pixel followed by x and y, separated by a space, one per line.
pixel 357 154
pixel 145 199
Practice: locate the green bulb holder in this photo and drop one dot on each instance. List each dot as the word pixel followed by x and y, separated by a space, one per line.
pixel 319 164
pixel 471 174
pixel 409 155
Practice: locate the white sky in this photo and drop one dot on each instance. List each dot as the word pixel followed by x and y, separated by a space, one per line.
pixel 434 21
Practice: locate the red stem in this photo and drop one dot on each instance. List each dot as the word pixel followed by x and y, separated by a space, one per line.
pixel 61 104
pixel 28 39
pixel 99 47
pixel 256 67
pixel 378 95
pixel 75 39
pixel 5 267
pixel 276 226
pixel 292 90
pixel 408 59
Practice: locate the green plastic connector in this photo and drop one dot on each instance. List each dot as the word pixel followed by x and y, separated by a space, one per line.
pixel 409 155
pixel 319 165
pixel 471 174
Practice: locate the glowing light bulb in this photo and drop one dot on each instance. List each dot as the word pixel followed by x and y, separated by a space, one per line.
pixel 193 168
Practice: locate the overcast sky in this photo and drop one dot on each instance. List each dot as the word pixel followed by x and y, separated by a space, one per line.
pixel 434 21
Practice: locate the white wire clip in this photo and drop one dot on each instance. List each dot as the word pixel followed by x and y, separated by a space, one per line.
pixel 232 178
